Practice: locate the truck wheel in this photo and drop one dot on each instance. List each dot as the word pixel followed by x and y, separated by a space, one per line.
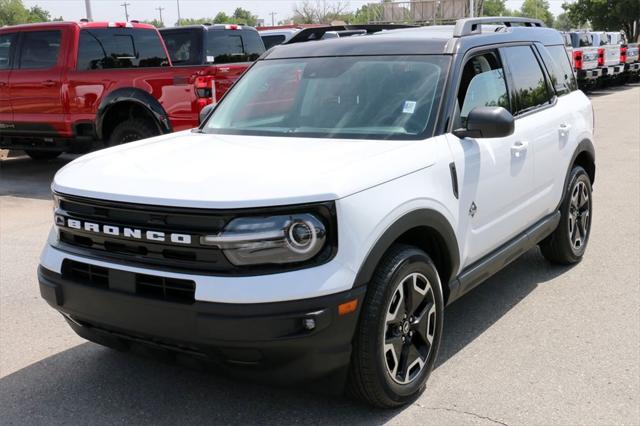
pixel 132 130
pixel 567 244
pixel 399 332
pixel 42 155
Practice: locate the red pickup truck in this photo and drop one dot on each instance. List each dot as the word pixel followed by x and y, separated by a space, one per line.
pixel 71 87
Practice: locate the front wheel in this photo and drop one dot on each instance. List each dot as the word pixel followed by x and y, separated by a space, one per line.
pixel 400 329
pixel 567 244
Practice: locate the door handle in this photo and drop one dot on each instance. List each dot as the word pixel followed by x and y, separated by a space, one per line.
pixel 519 148
pixel 48 83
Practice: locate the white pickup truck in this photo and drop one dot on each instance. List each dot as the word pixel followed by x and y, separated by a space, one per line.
pixel 608 55
pixel 584 57
pixel 629 54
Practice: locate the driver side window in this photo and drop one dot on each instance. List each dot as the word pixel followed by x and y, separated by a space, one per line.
pixel 483 84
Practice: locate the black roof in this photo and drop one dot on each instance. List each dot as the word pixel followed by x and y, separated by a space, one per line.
pixel 439 39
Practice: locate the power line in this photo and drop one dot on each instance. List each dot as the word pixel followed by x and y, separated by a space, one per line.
pixel 126 11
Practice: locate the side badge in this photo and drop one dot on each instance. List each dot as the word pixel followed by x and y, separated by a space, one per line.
pixel 473 209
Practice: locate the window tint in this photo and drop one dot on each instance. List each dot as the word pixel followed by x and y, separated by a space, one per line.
pixel 559 68
pixel 530 89
pixel 120 48
pixel 185 47
pixel 482 84
pixel 224 46
pixel 272 40
pixel 584 40
pixel 39 49
pixel 7 42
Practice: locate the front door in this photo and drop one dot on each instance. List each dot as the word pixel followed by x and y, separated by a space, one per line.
pixel 7 48
pixel 35 86
pixel 495 175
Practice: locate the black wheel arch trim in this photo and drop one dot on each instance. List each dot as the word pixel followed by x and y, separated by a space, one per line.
pixel 138 96
pixel 414 219
pixel 585 146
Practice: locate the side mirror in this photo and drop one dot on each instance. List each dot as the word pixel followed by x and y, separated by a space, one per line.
pixel 204 112
pixel 487 122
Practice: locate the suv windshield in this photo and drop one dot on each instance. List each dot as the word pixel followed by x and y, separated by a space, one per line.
pixel 382 97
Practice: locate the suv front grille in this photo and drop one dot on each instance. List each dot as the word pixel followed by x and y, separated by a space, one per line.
pixel 147 286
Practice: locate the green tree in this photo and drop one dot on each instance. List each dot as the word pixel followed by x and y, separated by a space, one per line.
pixel 607 15
pixel 564 23
pixel 538 9
pixel 245 17
pixel 494 8
pixel 194 21
pixel 368 13
pixel 13 12
pixel 221 18
pixel 155 22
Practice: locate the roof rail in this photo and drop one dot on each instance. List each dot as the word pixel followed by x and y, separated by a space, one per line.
pixel 470 26
pixel 316 33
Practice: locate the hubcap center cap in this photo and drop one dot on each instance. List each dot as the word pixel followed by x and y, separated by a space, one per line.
pixel 405 327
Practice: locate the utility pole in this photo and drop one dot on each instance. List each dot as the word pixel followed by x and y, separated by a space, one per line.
pixel 87 6
pixel 160 9
pixel 126 11
pixel 471 7
pixel 179 19
pixel 273 14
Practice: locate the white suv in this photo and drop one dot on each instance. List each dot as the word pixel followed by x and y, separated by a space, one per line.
pixel 333 203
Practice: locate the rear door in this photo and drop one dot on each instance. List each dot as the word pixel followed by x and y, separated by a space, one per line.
pixel 35 84
pixel 7 50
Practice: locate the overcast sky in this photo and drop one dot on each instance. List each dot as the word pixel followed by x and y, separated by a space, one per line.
pixel 111 10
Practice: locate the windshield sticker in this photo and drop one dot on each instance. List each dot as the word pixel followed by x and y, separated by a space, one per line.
pixel 211 58
pixel 409 107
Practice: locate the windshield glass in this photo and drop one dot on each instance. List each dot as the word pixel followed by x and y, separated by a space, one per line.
pixel 382 97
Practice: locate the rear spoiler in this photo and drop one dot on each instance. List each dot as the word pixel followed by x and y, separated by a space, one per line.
pixel 316 33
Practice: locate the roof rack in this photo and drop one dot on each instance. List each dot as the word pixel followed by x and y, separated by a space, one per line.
pixel 316 33
pixel 470 26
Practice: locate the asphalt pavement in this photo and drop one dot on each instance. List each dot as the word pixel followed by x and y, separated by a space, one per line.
pixel 536 344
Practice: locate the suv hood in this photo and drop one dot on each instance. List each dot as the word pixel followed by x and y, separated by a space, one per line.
pixel 188 169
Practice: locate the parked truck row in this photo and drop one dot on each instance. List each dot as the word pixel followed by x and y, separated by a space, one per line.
pixel 600 57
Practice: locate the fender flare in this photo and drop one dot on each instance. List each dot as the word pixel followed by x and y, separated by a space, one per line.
pixel 585 146
pixel 138 96
pixel 414 219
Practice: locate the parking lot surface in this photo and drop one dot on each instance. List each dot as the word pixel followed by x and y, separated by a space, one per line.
pixel 536 344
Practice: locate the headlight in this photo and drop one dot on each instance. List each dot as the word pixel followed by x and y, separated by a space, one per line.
pixel 270 240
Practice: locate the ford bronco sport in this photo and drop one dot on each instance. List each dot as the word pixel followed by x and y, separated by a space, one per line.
pixel 334 202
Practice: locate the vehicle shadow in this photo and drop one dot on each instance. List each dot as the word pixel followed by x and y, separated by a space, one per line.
pixel 23 177
pixel 604 91
pixel 91 384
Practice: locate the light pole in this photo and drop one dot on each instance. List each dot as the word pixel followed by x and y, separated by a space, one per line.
pixel 126 11
pixel 272 18
pixel 179 19
pixel 87 6
pixel 160 9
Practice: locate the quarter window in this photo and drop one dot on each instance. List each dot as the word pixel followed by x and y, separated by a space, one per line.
pixel 272 40
pixel 530 89
pixel 40 49
pixel 185 47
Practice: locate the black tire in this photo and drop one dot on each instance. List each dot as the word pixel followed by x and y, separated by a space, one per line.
pixel 132 130
pixel 567 244
pixel 42 155
pixel 370 377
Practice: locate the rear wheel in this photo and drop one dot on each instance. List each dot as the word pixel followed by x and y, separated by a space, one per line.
pixel 567 244
pixel 42 155
pixel 398 337
pixel 132 130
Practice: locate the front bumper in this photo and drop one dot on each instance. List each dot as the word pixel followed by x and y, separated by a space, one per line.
pixel 267 340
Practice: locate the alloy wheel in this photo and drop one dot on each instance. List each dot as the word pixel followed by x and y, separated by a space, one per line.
pixel 579 216
pixel 409 328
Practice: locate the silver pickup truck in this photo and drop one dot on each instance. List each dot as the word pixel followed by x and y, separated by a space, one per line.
pixel 608 55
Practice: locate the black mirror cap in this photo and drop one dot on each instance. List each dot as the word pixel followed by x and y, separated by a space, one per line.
pixel 487 122
pixel 204 112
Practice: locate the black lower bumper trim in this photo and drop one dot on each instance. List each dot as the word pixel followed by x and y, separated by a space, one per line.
pixel 266 340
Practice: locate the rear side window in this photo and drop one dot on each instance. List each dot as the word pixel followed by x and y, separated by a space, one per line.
pixel 530 91
pixel 272 40
pixel 559 68
pixel 7 43
pixel 185 47
pixel 585 40
pixel 228 46
pixel 40 49
pixel 120 48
